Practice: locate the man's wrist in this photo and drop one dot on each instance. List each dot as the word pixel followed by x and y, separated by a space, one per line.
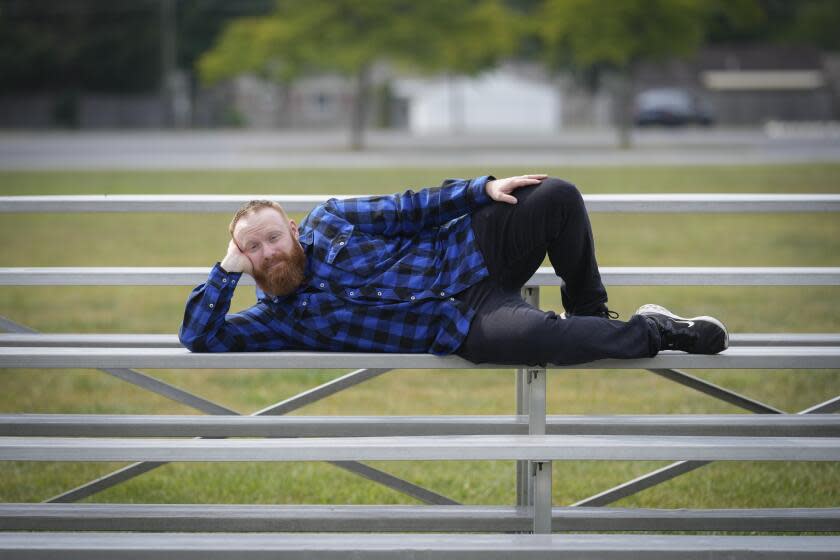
pixel 229 266
pixel 220 281
pixel 481 195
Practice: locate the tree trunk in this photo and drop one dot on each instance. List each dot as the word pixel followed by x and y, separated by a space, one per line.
pixel 360 104
pixel 626 94
pixel 168 61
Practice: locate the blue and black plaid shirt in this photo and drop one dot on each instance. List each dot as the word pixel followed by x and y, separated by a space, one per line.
pixel 381 275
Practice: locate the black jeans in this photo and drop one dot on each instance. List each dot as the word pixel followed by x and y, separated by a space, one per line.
pixel 514 238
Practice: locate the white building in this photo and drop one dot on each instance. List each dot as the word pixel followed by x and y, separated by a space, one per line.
pixel 495 101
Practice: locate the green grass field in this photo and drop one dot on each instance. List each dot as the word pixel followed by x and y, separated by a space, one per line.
pixel 622 240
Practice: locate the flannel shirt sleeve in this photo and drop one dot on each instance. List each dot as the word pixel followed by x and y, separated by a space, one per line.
pixel 411 212
pixel 208 328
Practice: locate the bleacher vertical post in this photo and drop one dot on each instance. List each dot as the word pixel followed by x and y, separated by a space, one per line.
pixel 538 472
pixel 524 497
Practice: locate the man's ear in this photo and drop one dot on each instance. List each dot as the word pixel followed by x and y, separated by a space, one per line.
pixel 294 228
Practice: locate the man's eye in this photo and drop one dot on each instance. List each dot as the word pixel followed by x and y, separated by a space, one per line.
pixel 274 237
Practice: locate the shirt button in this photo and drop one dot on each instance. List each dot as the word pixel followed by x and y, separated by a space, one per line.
pixel 351 293
pixel 322 284
pixel 233 281
pixel 379 293
pixel 442 294
pixel 211 306
pixel 452 299
pixel 341 242
pixel 304 303
pixel 413 298
pixel 224 279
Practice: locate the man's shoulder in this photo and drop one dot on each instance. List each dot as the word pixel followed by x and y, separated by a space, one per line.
pixel 322 215
pixel 325 230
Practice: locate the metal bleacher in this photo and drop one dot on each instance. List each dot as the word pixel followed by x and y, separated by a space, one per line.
pixel 533 527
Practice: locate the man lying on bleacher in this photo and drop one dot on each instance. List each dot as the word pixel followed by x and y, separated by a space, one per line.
pixel 439 270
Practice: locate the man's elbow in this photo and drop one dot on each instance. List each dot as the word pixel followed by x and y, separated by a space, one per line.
pixel 202 343
pixel 190 342
pixel 193 342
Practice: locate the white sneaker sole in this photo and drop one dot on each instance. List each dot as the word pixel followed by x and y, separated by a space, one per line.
pixel 653 308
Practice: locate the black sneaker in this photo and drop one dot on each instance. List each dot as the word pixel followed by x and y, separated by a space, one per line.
pixel 696 335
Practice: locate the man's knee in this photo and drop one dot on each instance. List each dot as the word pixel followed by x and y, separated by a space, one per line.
pixel 556 201
pixel 560 191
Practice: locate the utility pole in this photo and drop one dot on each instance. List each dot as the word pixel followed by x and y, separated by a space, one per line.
pixel 174 97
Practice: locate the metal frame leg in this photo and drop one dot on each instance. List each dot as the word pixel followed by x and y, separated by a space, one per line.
pixel 540 471
pixel 523 498
pixel 533 478
pixel 524 495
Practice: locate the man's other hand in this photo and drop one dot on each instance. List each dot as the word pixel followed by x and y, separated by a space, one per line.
pixel 500 189
pixel 236 261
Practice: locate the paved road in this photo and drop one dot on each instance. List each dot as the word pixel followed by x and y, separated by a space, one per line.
pixel 308 149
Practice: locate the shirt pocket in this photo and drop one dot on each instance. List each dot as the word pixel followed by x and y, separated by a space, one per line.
pixel 359 254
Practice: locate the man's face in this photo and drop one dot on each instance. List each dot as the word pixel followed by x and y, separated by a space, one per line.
pixel 271 244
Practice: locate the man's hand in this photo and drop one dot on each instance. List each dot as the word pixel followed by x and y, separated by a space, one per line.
pixel 500 189
pixel 236 260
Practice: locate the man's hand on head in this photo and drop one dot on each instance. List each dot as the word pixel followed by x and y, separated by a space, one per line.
pixel 236 260
pixel 500 189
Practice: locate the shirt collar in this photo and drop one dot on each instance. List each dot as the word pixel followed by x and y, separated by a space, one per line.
pixel 306 238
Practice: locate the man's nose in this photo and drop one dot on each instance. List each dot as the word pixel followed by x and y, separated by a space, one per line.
pixel 270 251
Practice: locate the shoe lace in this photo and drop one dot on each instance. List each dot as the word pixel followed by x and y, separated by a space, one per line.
pixel 604 312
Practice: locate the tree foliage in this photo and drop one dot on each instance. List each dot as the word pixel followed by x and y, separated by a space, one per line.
pixel 304 36
pixel 102 45
pixel 87 44
pixel 745 21
pixel 817 22
pixel 348 36
pixel 588 36
pixel 587 33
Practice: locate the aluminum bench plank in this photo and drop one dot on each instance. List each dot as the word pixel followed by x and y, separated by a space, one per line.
pixel 739 357
pixel 295 546
pixel 127 425
pixel 614 276
pixel 318 518
pixel 203 203
pixel 106 340
pixel 422 448
pixel 781 339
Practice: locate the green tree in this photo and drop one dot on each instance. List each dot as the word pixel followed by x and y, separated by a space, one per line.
pixel 593 34
pixel 818 22
pixel 86 45
pixel 69 48
pixel 348 36
pixel 101 45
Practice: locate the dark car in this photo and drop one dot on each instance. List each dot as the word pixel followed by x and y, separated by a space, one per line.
pixel 670 107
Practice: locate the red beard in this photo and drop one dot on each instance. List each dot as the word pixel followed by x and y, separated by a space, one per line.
pixel 283 274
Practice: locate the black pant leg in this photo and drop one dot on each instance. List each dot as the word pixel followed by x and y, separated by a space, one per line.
pixel 507 330
pixel 549 218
